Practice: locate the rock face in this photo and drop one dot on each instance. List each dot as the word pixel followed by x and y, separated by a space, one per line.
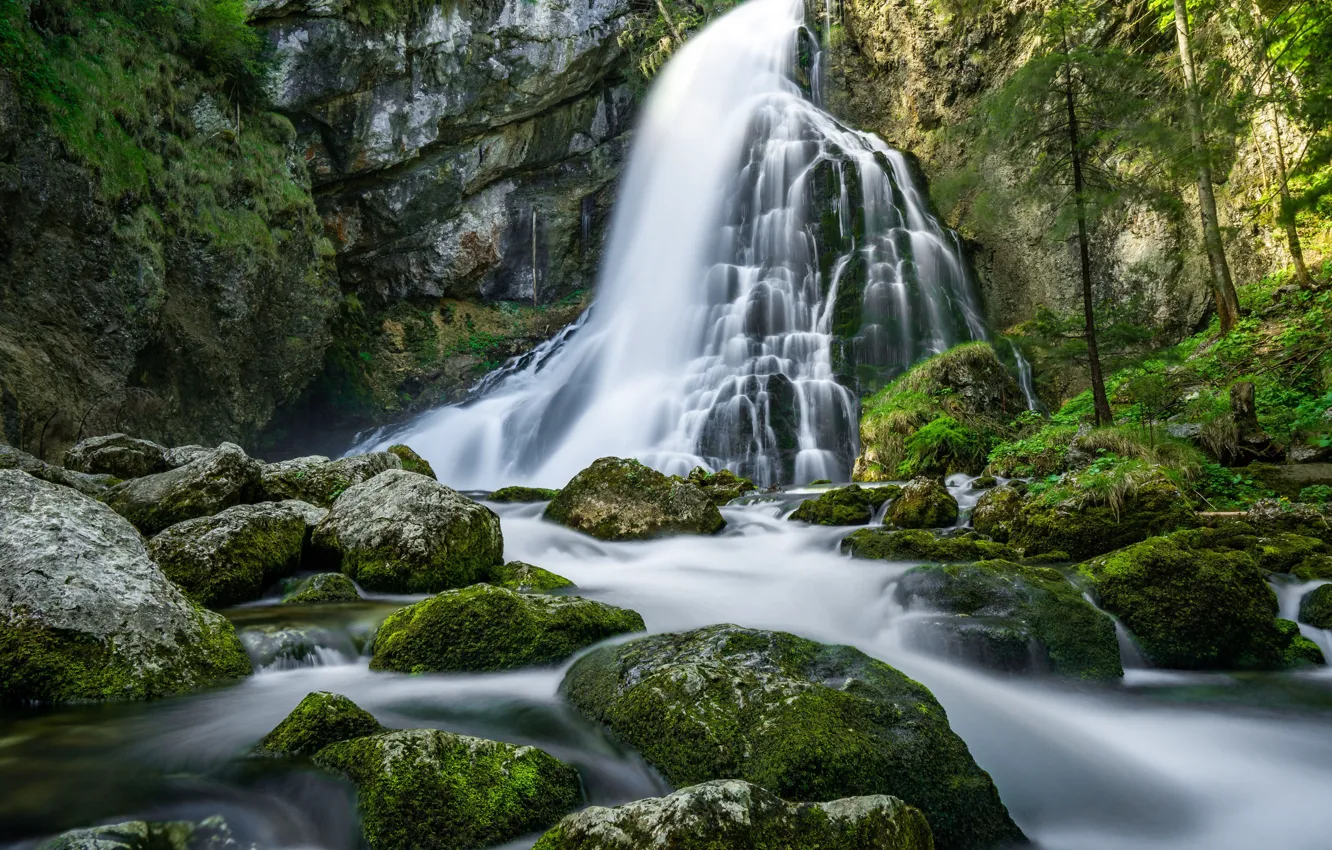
pixel 209 834
pixel 806 721
pixel 320 481
pixel 492 628
pixel 320 719
pixel 923 503
pixel 322 589
pixel 434 790
pixel 84 613
pixel 233 556
pixel 119 455
pixel 844 506
pixel 731 814
pixel 617 499
pixel 224 477
pixel 404 533
pixel 1003 611
pixel 919 545
pixel 526 578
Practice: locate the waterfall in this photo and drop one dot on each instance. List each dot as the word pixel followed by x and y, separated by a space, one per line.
pixel 765 267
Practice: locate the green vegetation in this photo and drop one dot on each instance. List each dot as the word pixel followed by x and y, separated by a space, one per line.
pixel 654 33
pixel 923 503
pixel 320 719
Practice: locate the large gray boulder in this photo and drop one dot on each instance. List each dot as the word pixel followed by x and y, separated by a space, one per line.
pixel 89 485
pixel 224 477
pixel 119 455
pixel 731 814
pixel 84 612
pixel 619 499
pixel 402 532
pixel 320 481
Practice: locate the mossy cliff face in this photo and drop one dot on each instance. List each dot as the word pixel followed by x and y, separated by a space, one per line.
pixel 808 722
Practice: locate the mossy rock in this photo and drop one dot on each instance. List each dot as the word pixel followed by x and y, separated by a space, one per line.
pixel 209 834
pixel 996 511
pixel 730 814
pixel 89 485
pixel 923 503
pixel 1293 648
pixel 232 557
pixel 1316 607
pixel 320 481
pixel 322 718
pixel 322 589
pixel 917 544
pixel 274 646
pixel 1313 569
pixel 412 462
pixel 118 455
pixel 423 789
pixel 400 532
pixel 484 627
pixel 618 499
pixel 984 482
pixel 1280 553
pixel 1273 516
pixel 722 486
pixel 1034 603
pixel 852 505
pixel 525 578
pixel 220 479
pixel 807 721
pixel 522 494
pixel 1188 608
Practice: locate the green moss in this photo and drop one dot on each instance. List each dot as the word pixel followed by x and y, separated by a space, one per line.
pixel 1294 649
pixel 412 462
pixel 322 718
pixel 619 499
pixel 923 503
pixel 425 789
pixel 522 494
pixel 722 486
pixel 1281 553
pixel 1317 567
pixel 852 505
pixel 491 628
pixel 525 578
pixel 1316 607
pixel 920 545
pixel 232 557
pixel 322 589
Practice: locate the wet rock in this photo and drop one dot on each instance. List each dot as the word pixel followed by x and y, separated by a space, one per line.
pixel 1016 605
pixel 208 834
pixel 1316 607
pixel 216 481
pixel 722 486
pixel 320 481
pixel 492 628
pixel 920 545
pixel 996 510
pixel 923 503
pixel 984 482
pixel 526 578
pixel 522 494
pixel 730 814
pixel 89 485
pixel 322 718
pixel 400 532
pixel 118 455
pixel 322 589
pixel 234 556
pixel 412 462
pixel 617 499
pixel 423 789
pixel 852 505
pixel 808 722
pixel 273 647
pixel 84 612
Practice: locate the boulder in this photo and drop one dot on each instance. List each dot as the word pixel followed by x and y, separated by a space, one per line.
pixel 320 719
pixel 1316 607
pixel 423 789
pixel 322 589
pixel 1273 516
pixel 526 578
pixel 984 482
pixel 731 814
pixel 220 479
pixel 484 627
pixel 289 647
pixel 1283 552
pixel 722 486
pixel 234 556
pixel 852 505
pixel 208 834
pixel 1293 648
pixel 84 612
pixel 522 494
pixel 181 455
pixel 923 503
pixel 617 499
pixel 412 462
pixel 1002 611
pixel 917 544
pixel 808 722
pixel 400 532
pixel 320 481
pixel 1312 569
pixel 118 455
pixel 996 511
pixel 89 485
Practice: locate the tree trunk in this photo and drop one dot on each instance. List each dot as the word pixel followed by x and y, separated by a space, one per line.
pixel 1102 404
pixel 1227 302
pixel 1287 210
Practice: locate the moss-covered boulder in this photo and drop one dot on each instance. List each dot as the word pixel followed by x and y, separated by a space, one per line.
pixel 1283 552
pixel 807 721
pixel 983 482
pixel 320 481
pixel 722 486
pixel 89 485
pixel 1274 516
pixel 923 503
pixel 220 479
pixel 322 589
pixel 997 509
pixel 401 532
pixel 731 814
pixel 423 789
pixel 526 578
pixel 1313 569
pixel 1316 607
pixel 322 718
pixel 522 494
pixel 412 462
pixel 493 628
pixel 852 505
pixel 234 556
pixel 209 834
pixel 617 499
pixel 84 612
pixel 1292 648
pixel 917 544
pixel 1190 608
pixel 118 455
pixel 1002 611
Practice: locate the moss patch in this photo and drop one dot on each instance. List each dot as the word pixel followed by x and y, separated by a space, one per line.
pixel 1316 607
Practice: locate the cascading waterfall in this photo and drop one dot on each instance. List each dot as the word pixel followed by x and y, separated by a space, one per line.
pixel 765 266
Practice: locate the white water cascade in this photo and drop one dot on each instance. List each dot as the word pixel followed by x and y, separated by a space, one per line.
pixel 765 265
